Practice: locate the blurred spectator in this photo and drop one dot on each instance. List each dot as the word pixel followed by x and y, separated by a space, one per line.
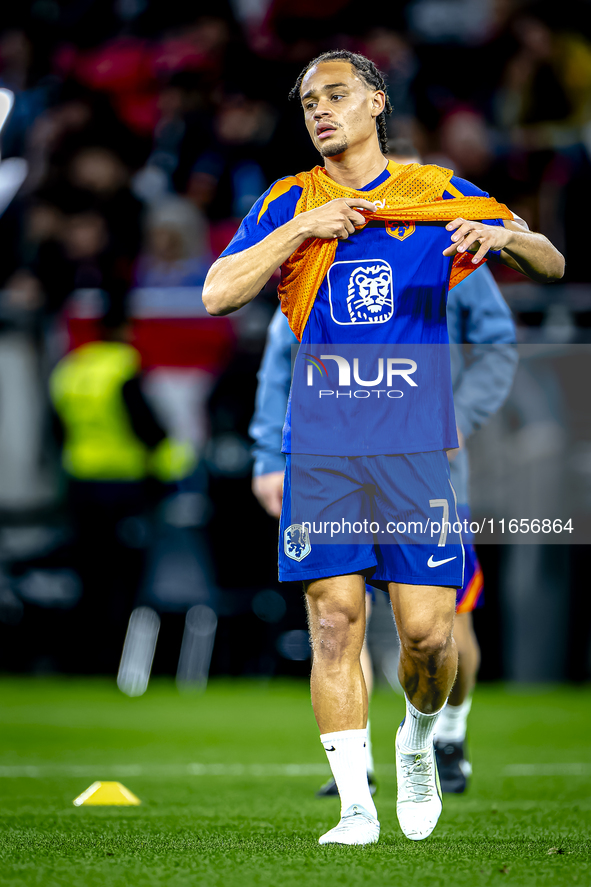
pixel 183 130
pixel 122 69
pixel 227 179
pixel 199 46
pixel 177 246
pixel 546 89
pixel 80 119
pixel 99 178
pixel 544 106
pixel 33 92
pixel 81 233
pixel 76 256
pixel 16 55
pixel 465 140
pixel 394 56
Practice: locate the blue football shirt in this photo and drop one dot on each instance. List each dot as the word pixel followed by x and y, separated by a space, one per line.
pixel 372 375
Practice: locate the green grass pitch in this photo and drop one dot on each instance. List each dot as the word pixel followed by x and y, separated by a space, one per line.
pixel 220 807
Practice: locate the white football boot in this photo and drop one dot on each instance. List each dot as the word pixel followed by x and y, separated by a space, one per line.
pixel 419 802
pixel 357 826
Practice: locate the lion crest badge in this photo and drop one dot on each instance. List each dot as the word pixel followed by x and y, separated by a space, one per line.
pixel 400 230
pixel 296 542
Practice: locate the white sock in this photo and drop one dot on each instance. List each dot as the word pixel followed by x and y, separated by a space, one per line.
pixel 345 751
pixel 368 751
pixel 416 734
pixel 451 726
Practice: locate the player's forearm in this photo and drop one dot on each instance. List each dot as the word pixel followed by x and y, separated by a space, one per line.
pixel 485 385
pixel 234 281
pixel 533 255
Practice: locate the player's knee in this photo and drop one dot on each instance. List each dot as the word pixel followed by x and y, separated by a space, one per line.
pixel 426 643
pixel 330 607
pixel 336 632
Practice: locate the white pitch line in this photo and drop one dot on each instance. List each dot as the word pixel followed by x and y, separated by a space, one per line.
pixel 44 771
pixel 194 769
pixel 547 770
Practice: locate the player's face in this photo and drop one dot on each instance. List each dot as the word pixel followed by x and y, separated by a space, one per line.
pixel 339 109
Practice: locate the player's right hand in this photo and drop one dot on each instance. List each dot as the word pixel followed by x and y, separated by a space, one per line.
pixel 337 219
pixel 268 489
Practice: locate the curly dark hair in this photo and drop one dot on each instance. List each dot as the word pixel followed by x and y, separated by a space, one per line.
pixel 370 74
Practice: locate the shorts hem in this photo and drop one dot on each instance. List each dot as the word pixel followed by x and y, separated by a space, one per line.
pixel 417 580
pixel 293 576
pixel 409 450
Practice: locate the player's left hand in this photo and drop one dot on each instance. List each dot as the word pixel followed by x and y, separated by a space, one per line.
pixel 476 237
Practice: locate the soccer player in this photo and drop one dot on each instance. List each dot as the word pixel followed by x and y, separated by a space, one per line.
pixel 367 251
pixel 477 315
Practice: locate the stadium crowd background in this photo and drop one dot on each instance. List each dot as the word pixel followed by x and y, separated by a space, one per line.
pixel 149 129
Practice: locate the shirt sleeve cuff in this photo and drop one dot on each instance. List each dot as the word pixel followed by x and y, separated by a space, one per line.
pixel 266 463
pixel 463 423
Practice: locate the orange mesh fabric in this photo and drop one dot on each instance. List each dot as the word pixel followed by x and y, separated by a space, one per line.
pixel 412 193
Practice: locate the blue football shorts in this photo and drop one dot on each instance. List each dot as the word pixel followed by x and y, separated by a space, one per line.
pixel 392 518
pixel 471 595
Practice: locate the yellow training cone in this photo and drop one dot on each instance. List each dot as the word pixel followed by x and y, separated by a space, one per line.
pixel 107 794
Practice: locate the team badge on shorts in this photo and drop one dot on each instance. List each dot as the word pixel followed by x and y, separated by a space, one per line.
pixel 360 294
pixel 296 542
pixel 400 230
